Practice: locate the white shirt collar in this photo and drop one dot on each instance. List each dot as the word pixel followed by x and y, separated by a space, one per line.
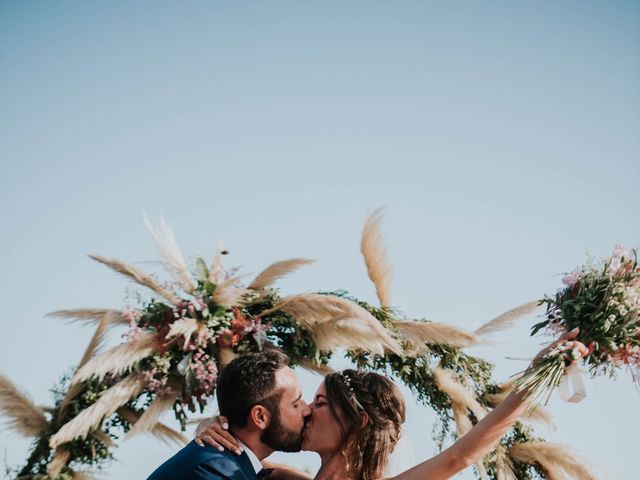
pixel 255 463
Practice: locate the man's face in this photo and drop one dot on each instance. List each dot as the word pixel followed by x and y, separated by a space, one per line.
pixel 284 432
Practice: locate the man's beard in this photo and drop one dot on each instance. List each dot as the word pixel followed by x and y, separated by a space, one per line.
pixel 278 437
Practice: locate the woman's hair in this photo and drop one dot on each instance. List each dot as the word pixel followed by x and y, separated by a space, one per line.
pixel 366 444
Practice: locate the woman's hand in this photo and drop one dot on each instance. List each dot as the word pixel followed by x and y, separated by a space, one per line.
pixel 214 431
pixel 576 349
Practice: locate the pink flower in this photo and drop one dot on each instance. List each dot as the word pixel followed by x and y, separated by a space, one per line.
pixel 570 279
pixel 620 256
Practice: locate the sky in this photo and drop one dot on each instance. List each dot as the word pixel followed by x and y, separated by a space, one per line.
pixel 501 137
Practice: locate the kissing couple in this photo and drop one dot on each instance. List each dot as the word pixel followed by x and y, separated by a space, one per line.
pixel 353 423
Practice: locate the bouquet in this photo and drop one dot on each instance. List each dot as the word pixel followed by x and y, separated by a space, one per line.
pixel 603 301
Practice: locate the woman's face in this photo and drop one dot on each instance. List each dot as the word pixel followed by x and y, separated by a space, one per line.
pixel 322 432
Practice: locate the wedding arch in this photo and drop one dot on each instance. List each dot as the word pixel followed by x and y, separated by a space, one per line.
pixel 186 329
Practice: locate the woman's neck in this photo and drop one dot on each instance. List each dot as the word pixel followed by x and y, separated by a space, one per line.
pixel 333 467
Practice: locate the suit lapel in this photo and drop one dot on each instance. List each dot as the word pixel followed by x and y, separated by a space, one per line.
pixel 246 466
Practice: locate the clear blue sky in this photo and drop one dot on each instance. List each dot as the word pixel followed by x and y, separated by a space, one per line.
pixel 502 136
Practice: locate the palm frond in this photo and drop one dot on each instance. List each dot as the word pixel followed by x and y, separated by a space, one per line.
pixel 374 252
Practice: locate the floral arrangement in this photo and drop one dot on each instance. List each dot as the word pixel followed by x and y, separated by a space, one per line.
pixel 603 301
pixel 176 342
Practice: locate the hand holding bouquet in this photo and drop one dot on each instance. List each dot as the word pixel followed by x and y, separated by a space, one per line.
pixel 600 307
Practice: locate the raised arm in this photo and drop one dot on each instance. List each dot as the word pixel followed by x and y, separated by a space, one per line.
pixel 482 438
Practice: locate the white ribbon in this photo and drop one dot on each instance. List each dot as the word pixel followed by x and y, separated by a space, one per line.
pixel 571 385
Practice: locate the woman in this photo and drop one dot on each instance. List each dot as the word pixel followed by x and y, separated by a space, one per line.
pixel 356 422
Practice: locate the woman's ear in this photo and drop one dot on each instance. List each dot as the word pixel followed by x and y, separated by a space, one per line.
pixel 364 419
pixel 259 417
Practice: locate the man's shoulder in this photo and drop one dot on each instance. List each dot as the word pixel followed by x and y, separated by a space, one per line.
pixel 195 462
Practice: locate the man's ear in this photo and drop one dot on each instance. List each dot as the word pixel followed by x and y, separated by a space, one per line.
pixel 259 416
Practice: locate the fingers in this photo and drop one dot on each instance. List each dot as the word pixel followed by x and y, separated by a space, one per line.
pixel 210 441
pixel 203 425
pixel 574 351
pixel 569 335
pixel 218 437
pixel 224 438
pixel 224 423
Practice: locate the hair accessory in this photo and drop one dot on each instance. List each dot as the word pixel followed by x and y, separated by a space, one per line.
pixel 347 381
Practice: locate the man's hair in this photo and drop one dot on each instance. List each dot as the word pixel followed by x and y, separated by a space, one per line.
pixel 248 380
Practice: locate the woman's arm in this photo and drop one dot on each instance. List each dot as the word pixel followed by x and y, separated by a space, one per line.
pixel 482 438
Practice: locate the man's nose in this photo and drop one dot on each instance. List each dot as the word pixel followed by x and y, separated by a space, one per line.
pixel 306 410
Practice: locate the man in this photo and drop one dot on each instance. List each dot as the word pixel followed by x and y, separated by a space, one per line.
pixel 262 400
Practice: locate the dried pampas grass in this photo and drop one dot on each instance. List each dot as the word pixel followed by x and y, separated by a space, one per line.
pixel 539 415
pixel 22 415
pixel 277 270
pixel 82 476
pixel 314 367
pixel 313 311
pixel 137 276
pixel 420 332
pixel 103 438
pixel 458 393
pixel 559 462
pixel 91 417
pixel 166 243
pixel 225 355
pixel 462 401
pixel 507 319
pixel 228 293
pixel 57 463
pixel 117 360
pixel 95 343
pixel 149 418
pixel 374 252
pixel 184 327
pixel 91 315
pixel 504 464
pixel 163 433
pixel 216 270
pixel 347 333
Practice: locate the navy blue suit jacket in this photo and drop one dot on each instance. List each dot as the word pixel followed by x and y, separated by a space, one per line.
pixel 205 463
